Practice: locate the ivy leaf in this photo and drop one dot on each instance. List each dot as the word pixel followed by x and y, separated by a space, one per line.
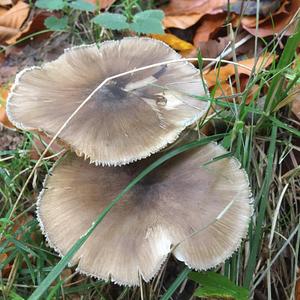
pixel 111 21
pixel 83 5
pixel 50 5
pixel 56 24
pixel 148 21
pixel 214 285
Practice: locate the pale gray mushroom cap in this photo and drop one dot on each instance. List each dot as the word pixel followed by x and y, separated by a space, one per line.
pixel 202 209
pixel 129 118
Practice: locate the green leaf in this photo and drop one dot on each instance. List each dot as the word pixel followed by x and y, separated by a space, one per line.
pixel 111 21
pixel 82 5
pixel 148 21
pixel 56 24
pixel 214 285
pixel 150 13
pixel 50 5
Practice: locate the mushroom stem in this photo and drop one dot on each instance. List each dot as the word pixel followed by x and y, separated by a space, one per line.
pixel 92 94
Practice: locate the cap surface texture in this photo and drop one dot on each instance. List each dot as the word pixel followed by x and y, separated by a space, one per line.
pixel 198 211
pixel 127 119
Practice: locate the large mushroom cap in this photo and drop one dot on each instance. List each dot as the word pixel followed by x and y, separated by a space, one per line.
pixel 129 117
pixel 203 209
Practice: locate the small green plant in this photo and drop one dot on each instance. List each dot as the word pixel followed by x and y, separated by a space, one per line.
pixel 144 22
pixel 148 21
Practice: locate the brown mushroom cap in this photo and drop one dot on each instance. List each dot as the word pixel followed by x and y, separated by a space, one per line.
pixel 129 118
pixel 203 209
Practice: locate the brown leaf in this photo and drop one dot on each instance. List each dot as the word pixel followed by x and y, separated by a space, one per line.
pixel 36 24
pixel 3 116
pixel 297 289
pixel 249 8
pixel 185 13
pixel 6 270
pixel 270 26
pixel 40 143
pixel 187 7
pixel 173 41
pixel 182 22
pixel 209 24
pixel 7 73
pixel 2 57
pixel 224 89
pixel 223 73
pixel 2 11
pixel 6 2
pixel 11 22
pixel 296 103
pixel 251 21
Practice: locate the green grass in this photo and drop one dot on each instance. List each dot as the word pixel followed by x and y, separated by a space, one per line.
pixel 263 138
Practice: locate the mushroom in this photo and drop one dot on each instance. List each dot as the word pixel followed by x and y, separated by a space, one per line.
pixel 192 206
pixel 127 119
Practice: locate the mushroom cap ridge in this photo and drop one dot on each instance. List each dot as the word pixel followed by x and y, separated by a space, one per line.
pixel 202 209
pixel 129 118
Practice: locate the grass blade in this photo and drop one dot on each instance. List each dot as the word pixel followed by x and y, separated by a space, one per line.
pixel 180 278
pixel 262 201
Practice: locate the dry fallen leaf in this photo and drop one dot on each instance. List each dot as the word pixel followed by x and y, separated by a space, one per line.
pixel 6 270
pixel 275 24
pixel 296 105
pixel 4 90
pixel 6 2
pixel 173 41
pixel 185 13
pixel 223 73
pixel 40 143
pixel 12 22
pixel 36 24
pixel 218 78
pixel 209 25
pixel 7 73
pixel 297 289
pixel 249 8
pixel 224 89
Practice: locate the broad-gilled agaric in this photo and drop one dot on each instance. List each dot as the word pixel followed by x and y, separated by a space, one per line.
pixel 194 206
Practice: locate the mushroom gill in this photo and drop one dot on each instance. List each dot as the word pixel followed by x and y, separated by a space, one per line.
pixel 194 207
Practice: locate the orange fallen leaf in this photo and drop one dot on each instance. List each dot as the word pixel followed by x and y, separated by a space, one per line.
pixel 2 11
pixel 3 116
pixel 173 41
pixel 185 13
pixel 223 73
pixel 275 24
pixel 6 2
pixel 224 89
pixel 209 24
pixel 181 22
pixel 12 22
